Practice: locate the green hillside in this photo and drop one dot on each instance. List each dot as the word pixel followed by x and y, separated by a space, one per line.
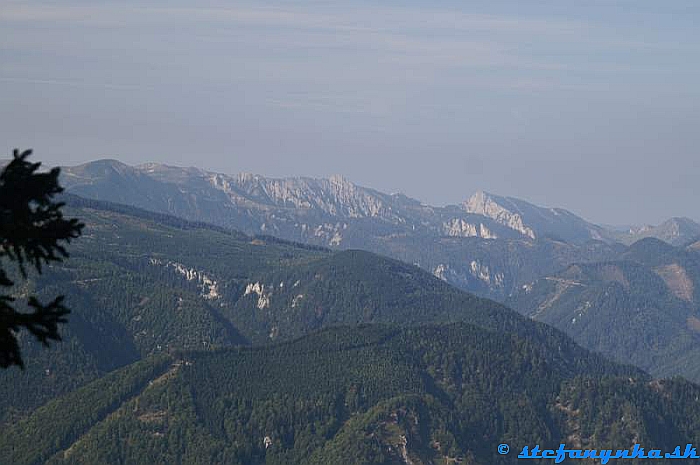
pixel 140 284
pixel 641 308
pixel 362 395
pixel 196 345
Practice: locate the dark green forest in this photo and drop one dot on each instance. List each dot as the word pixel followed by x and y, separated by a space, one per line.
pixel 190 344
pixel 140 283
pixel 359 395
pixel 640 308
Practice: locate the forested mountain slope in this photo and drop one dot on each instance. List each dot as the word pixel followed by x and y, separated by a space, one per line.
pixel 641 308
pixel 140 283
pixel 361 395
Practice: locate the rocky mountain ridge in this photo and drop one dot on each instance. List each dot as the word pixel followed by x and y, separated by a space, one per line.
pixel 487 255
pixel 487 244
pixel 334 199
pixel 675 231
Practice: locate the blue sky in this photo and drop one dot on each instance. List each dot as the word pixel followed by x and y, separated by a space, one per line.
pixel 587 105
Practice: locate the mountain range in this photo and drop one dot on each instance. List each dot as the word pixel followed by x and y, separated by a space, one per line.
pixel 284 343
pixel 330 212
pixel 497 247
pixel 141 284
pixel 308 209
pixel 488 245
pixel 191 343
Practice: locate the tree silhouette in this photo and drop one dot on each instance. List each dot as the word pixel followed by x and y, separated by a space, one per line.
pixel 32 230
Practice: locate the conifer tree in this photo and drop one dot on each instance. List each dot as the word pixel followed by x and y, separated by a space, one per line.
pixel 33 233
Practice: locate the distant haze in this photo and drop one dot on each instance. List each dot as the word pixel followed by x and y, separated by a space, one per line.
pixel 591 106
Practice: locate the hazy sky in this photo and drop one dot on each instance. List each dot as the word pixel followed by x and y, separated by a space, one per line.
pixel 593 106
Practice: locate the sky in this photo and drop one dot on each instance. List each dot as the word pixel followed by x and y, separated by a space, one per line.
pixel 593 106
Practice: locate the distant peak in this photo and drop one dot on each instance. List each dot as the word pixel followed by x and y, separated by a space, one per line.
pixel 483 203
pixel 680 220
pixel 101 167
pixel 339 179
pixel 477 201
pixel 480 194
pixel 482 197
pixel 106 162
